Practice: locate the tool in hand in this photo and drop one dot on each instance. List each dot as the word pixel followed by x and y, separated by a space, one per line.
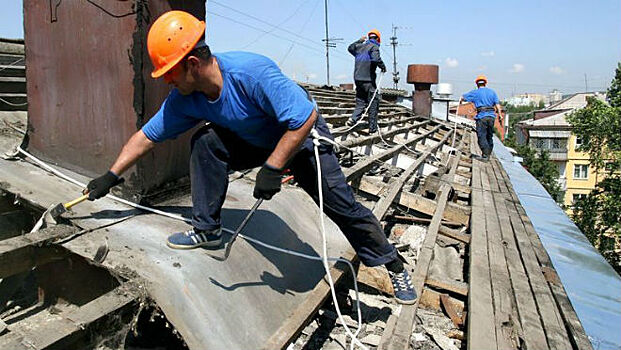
pixel 239 228
pixel 50 216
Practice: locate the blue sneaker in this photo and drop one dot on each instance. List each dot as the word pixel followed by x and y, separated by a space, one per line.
pixel 402 284
pixel 195 238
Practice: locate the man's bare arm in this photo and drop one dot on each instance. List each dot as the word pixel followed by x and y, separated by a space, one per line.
pixel 135 148
pixel 290 142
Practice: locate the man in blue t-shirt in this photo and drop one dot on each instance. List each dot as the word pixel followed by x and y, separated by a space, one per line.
pixel 486 102
pixel 258 117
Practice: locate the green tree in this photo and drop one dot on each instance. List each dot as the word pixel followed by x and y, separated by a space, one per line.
pixel 614 92
pixel 599 215
pixel 543 169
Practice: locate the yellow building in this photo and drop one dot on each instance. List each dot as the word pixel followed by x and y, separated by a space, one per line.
pixel 550 131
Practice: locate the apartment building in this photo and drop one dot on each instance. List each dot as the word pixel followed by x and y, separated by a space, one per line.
pixel 550 131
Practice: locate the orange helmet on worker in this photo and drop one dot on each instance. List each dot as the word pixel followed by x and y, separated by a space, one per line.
pixel 481 79
pixel 171 37
pixel 376 33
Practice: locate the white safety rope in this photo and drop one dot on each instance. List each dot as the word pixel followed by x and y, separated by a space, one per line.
pixel 354 340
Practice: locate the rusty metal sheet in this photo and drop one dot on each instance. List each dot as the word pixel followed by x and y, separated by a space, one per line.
pixel 89 87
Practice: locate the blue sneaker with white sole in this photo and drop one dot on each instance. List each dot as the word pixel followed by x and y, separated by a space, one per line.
pixel 404 290
pixel 195 238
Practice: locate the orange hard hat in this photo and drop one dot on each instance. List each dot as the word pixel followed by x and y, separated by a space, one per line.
pixel 376 32
pixel 172 36
pixel 480 78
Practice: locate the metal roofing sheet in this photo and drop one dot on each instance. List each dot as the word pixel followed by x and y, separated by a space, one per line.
pixel 591 283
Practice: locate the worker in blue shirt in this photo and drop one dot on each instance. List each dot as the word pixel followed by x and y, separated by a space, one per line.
pixel 367 61
pixel 258 118
pixel 487 104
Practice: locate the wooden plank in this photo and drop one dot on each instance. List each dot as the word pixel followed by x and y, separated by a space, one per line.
pixel 453 213
pixel 435 181
pixel 577 335
pixel 420 220
pixel 506 230
pixel 481 327
pixel 362 166
pixel 297 320
pixel 451 286
pixel 400 339
pixel 388 331
pixel 552 322
pixel 533 329
pixel 21 253
pixel 462 237
pixel 367 140
pixel 431 299
pixel 504 303
pixel 381 124
pixel 61 333
pixel 384 203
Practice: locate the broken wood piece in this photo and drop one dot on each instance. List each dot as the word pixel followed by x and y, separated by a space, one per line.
pixel 455 334
pixel 452 212
pixel 455 234
pixel 420 220
pixel 21 253
pixel 450 310
pixel 375 278
pixel 65 331
pixel 460 288
pixel 430 299
pixel 402 247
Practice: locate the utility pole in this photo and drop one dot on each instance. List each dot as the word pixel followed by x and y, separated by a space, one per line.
pixel 586 86
pixel 327 40
pixel 330 42
pixel 393 42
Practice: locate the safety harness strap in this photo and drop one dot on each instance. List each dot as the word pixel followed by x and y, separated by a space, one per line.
pixel 485 109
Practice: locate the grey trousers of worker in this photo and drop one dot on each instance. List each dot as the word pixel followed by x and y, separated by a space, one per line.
pixel 364 93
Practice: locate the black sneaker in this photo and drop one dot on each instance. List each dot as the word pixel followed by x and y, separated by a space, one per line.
pixel 402 284
pixel 350 122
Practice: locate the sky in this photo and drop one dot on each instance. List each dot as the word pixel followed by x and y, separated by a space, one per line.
pixel 522 46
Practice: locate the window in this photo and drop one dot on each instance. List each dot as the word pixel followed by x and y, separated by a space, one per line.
pixel 540 143
pixel 561 169
pixel 577 196
pixel 579 142
pixel 581 171
pixel 556 143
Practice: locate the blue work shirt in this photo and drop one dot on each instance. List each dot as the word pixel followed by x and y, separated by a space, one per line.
pixel 257 102
pixel 482 97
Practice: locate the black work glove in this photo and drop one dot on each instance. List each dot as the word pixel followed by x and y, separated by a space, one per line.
pixel 383 69
pixel 268 182
pixel 100 186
